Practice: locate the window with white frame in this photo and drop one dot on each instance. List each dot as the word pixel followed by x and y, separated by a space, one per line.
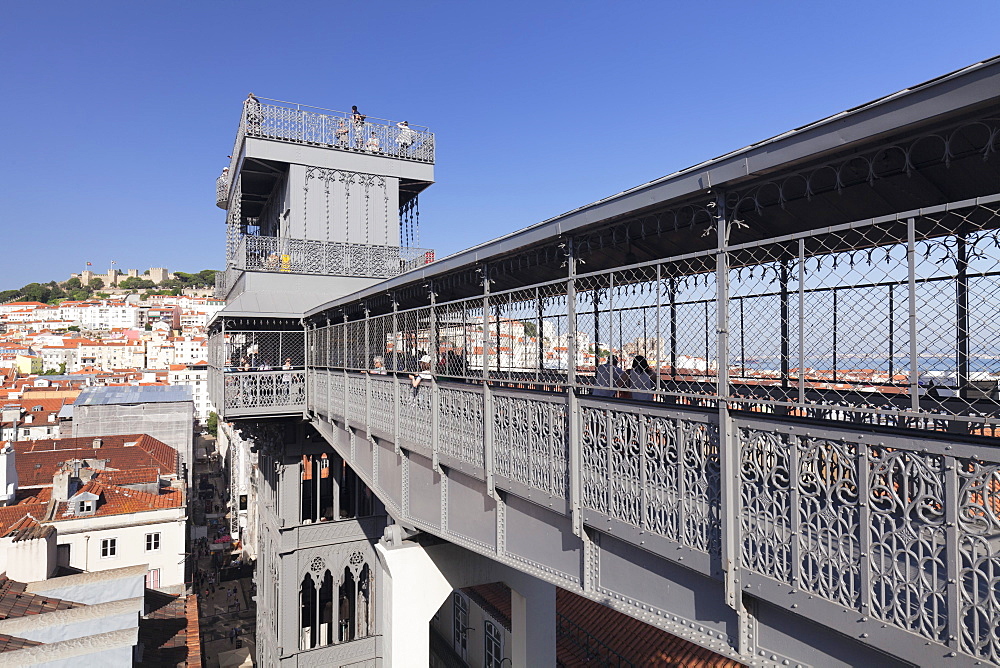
pixel 85 507
pixel 152 542
pixel 494 646
pixel 109 548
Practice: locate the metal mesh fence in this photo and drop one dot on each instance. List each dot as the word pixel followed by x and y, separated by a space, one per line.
pixel 257 350
pixel 888 321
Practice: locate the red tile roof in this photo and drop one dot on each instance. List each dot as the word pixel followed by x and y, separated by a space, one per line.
pixel 138 476
pixel 14 602
pixel 122 501
pixel 640 643
pixel 37 461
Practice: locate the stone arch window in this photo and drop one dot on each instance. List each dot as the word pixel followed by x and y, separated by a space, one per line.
pixel 319 485
pixel 347 606
pixel 335 611
pixel 307 613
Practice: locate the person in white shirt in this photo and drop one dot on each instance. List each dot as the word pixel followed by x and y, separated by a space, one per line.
pixel 372 144
pixel 405 136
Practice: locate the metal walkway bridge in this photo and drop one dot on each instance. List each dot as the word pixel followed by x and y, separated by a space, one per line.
pixel 799 467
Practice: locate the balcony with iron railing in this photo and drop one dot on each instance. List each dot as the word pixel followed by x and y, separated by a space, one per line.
pixel 282 121
pixel 328 258
pixel 256 373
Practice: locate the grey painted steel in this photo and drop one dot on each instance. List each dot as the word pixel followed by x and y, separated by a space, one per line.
pixel 634 555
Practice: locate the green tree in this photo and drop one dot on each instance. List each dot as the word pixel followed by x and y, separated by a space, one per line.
pixel 7 295
pixel 73 284
pixel 103 295
pixel 212 424
pixel 96 283
pixel 206 278
pixel 72 328
pixel 35 292
pixel 135 283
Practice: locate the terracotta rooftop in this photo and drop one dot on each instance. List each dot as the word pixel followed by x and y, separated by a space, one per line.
pixel 10 643
pixel 636 642
pixel 169 632
pixel 639 643
pixel 122 501
pixel 137 476
pixel 14 602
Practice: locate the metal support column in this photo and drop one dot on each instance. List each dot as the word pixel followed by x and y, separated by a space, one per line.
pixel 911 263
pixel 435 347
pixel 488 406
pixel 728 443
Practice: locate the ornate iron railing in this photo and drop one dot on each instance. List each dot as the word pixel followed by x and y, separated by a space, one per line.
pixel 222 190
pixel 740 446
pixel 856 520
pixel 331 258
pixel 287 121
pixel 264 391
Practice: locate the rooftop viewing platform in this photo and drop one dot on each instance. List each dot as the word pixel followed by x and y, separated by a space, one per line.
pixel 353 131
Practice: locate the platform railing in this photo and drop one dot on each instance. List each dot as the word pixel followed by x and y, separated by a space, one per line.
pixel 821 513
pixel 889 321
pixel 301 124
pixel 329 258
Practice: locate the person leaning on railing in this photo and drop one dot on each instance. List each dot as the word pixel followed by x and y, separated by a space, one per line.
pixel 253 112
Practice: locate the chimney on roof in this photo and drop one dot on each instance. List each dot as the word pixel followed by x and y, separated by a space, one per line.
pixel 31 556
pixel 8 476
pixel 98 442
pixel 63 484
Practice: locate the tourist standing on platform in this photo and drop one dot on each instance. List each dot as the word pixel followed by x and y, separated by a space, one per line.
pixel 609 375
pixel 423 376
pixel 372 144
pixel 359 126
pixel 341 133
pixel 253 111
pixel 642 377
pixel 405 136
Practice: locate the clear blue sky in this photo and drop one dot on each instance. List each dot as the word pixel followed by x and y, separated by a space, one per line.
pixel 116 117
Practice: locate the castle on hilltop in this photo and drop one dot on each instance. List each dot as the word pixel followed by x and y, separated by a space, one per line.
pixel 114 276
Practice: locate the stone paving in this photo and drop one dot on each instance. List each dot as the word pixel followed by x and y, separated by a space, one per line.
pixel 226 605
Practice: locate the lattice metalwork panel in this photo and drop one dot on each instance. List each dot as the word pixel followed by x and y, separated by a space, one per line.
pixel 531 447
pixel 357 397
pixel 415 415
pixel 666 474
pixel 383 404
pixel 907 527
pixel 320 396
pixel 460 425
pixel 328 258
pixel 337 384
pixel 264 389
pixel 979 557
pixel 872 526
